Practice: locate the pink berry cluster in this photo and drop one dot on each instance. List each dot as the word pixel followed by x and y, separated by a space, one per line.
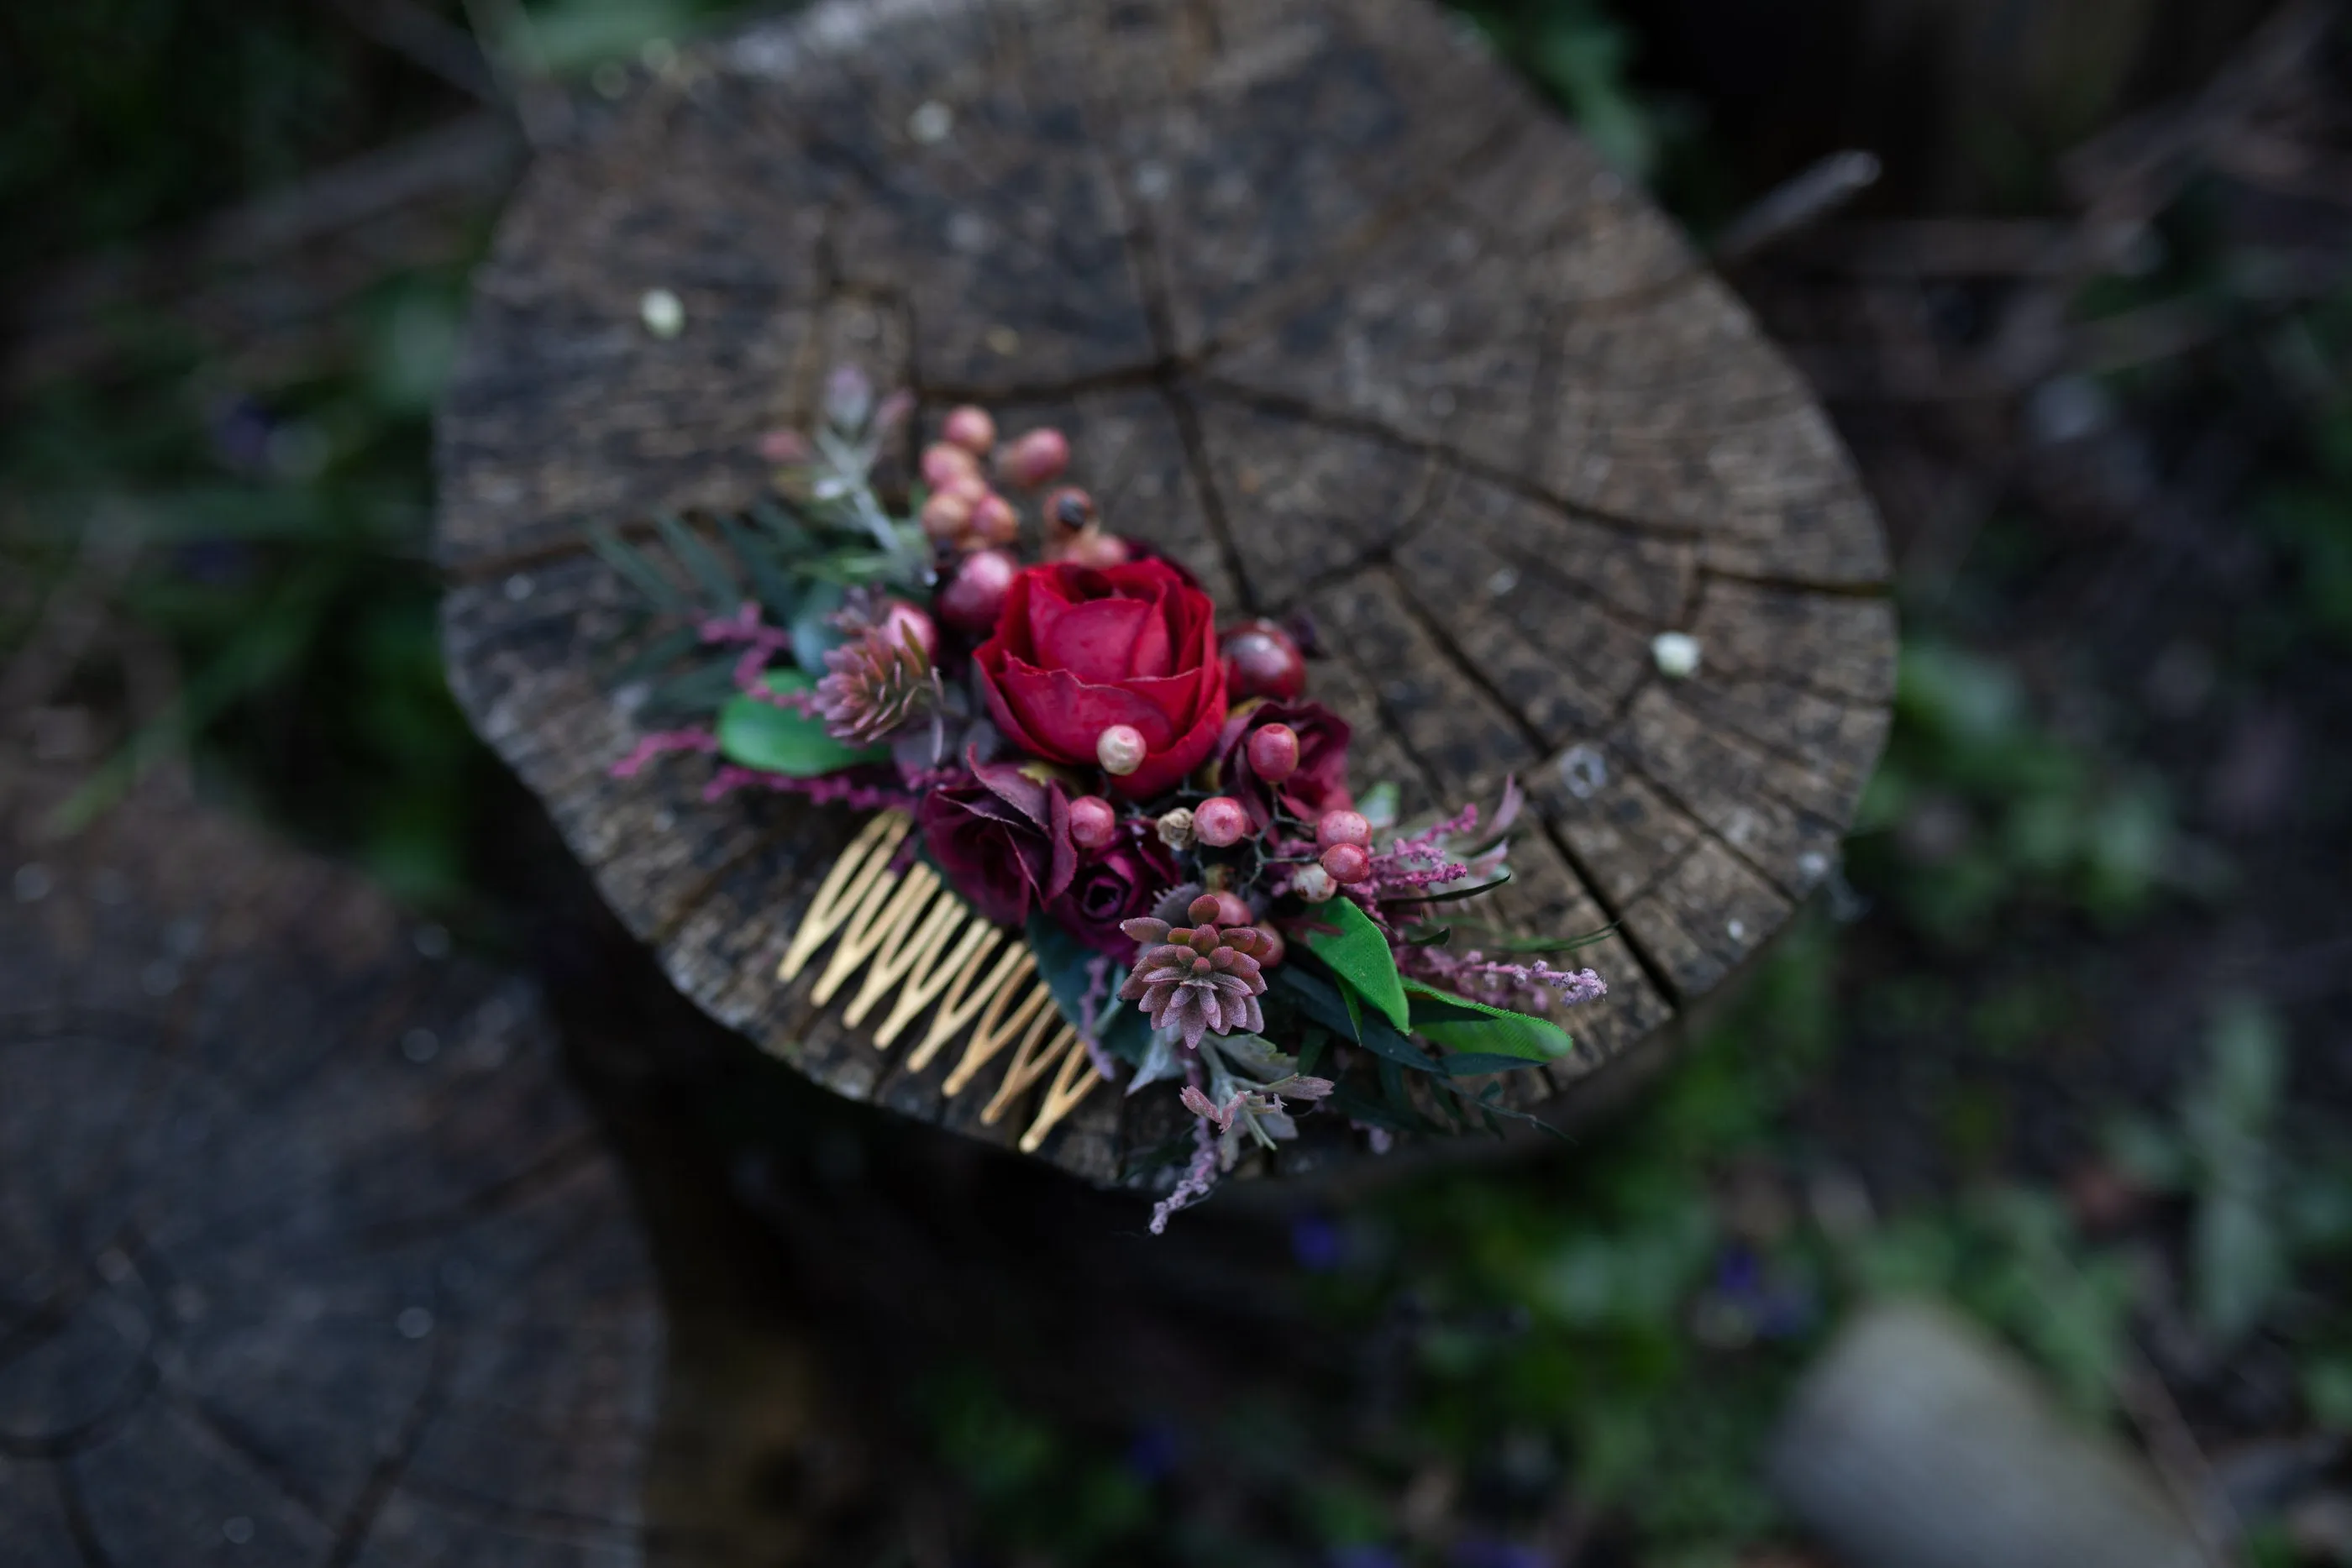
pixel 967 515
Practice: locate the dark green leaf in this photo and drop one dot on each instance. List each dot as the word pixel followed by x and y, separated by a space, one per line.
pixel 1477 1063
pixel 659 653
pixel 779 740
pixel 1359 954
pixel 1312 1039
pixel 1064 962
pixel 710 574
pixel 1327 1003
pixel 631 563
pixel 1457 894
pixel 780 524
pixel 1429 934
pixel 1372 1113
pixel 765 566
pixel 699 692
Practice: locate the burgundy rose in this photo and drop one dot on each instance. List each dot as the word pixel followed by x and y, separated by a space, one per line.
pixel 1122 883
pixel 1077 651
pixel 1002 838
pixel 1320 781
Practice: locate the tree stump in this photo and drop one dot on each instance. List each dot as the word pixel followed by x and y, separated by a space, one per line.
pixel 308 1255
pixel 1333 310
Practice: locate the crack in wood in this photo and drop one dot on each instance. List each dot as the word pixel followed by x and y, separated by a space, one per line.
pixel 556 1166
pixel 385 1475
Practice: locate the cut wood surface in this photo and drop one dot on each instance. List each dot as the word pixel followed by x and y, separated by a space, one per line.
pixel 308 1253
pixel 1333 310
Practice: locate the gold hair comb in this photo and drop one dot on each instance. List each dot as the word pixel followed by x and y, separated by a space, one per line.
pixel 916 940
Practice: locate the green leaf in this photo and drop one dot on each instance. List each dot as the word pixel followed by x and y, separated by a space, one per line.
pixel 770 580
pixel 1478 1063
pixel 1359 955
pixel 631 563
pixel 1462 1024
pixel 710 574
pixel 1064 961
pixel 779 740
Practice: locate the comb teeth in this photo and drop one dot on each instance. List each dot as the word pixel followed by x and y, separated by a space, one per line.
pixel 916 943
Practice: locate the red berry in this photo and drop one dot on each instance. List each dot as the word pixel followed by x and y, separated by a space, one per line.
pixel 1342 827
pixel 1262 661
pixel 1270 947
pixel 944 463
pixel 946 515
pixel 1037 458
pixel 1096 549
pixel 1273 752
pixel 969 428
pixel 1348 863
pixel 1093 824
pixel 1220 821
pixel 902 623
pixel 974 598
pixel 995 520
pixel 1231 913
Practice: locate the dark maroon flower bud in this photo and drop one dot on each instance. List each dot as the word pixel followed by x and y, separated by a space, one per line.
pixel 1342 827
pixel 1348 863
pixel 1093 824
pixel 969 428
pixel 1273 752
pixel 1260 661
pixel 1034 459
pixel 973 599
pixel 1002 838
pixel 1110 887
pixel 1220 821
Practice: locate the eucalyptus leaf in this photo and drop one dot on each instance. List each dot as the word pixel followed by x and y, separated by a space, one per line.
pixel 1359 954
pixel 776 739
pixel 1161 1060
pixel 813 632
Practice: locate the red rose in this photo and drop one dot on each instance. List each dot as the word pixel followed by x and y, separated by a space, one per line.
pixel 1079 649
pixel 1002 838
pixel 1320 783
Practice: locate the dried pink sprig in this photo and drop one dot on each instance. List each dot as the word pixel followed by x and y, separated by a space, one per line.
pixel 1198 1177
pixel 824 789
pixel 761 643
pixel 1533 987
pixel 661 743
